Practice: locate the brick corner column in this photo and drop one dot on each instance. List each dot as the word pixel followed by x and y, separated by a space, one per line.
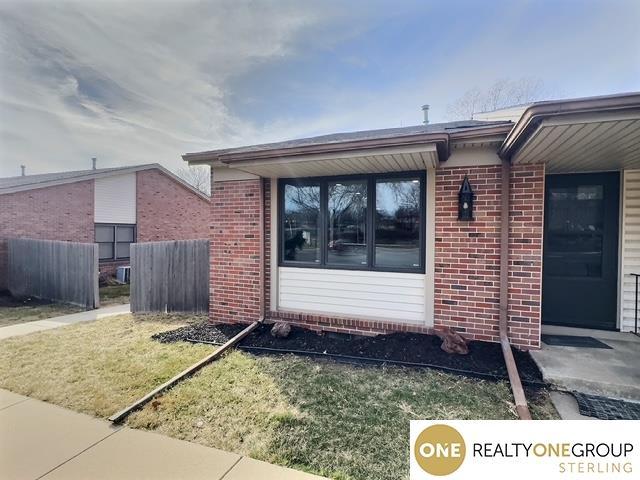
pixel 526 225
pixel 234 286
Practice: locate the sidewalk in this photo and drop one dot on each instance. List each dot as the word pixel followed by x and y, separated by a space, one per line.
pixel 55 322
pixel 42 441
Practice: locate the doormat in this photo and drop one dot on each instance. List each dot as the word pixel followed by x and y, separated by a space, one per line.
pixel 573 341
pixel 604 408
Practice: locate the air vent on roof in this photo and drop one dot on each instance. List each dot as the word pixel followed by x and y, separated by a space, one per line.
pixel 425 111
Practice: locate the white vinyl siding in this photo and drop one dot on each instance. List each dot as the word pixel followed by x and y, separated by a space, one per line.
pixel 630 246
pixel 115 199
pixel 353 293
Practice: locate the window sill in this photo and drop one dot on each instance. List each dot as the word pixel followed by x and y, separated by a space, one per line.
pixel 356 268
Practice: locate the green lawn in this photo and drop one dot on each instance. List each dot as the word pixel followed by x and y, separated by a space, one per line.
pixel 336 420
pixel 114 295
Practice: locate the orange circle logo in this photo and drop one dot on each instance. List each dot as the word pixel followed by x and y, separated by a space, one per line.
pixel 439 450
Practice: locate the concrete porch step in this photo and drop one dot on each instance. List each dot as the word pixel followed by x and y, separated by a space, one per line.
pixel 612 373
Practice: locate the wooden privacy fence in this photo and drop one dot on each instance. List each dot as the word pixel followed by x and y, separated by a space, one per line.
pixel 170 276
pixel 52 270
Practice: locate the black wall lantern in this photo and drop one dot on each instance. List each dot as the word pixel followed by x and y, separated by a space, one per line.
pixel 465 201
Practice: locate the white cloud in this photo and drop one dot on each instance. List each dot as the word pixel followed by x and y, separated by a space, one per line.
pixel 129 82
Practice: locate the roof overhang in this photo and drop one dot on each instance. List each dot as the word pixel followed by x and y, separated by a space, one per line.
pixel 592 134
pixel 386 154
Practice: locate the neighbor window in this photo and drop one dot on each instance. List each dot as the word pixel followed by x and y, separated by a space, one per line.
pixel 372 222
pixel 114 241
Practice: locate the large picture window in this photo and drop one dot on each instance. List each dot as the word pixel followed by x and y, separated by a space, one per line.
pixel 114 241
pixel 372 222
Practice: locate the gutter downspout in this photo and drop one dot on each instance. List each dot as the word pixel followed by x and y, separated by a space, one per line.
pixel 512 369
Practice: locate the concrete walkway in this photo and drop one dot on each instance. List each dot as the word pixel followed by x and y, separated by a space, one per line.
pixel 611 372
pixel 55 322
pixel 42 441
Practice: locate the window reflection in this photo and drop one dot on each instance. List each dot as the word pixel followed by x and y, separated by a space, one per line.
pixel 301 223
pixel 575 231
pixel 397 240
pixel 347 226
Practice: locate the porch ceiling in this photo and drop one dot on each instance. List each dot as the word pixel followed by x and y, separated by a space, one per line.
pixel 584 142
pixel 396 159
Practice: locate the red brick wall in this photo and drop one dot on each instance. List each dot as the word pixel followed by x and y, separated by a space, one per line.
pixel 167 210
pixel 63 212
pixel 467 287
pixel 467 258
pixel 235 251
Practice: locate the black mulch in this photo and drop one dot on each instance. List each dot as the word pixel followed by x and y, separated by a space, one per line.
pixel 484 359
pixel 9 301
pixel 605 408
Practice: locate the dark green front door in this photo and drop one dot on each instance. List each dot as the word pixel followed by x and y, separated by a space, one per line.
pixel 580 269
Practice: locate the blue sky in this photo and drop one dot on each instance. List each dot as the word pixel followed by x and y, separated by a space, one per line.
pixel 137 82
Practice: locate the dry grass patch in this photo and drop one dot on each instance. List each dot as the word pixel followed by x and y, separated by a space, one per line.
pixel 336 420
pixel 96 367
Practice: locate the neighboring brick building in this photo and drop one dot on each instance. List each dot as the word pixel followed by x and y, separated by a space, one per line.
pixel 112 206
pixel 363 231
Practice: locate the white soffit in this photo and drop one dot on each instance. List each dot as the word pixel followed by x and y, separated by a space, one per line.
pixel 416 157
pixel 584 142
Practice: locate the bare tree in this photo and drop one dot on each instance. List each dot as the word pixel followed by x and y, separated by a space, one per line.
pixel 502 93
pixel 199 177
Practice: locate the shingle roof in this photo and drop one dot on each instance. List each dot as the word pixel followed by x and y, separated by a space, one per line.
pixel 79 175
pixel 30 182
pixel 447 127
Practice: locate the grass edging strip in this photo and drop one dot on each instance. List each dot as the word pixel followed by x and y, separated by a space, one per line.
pixel 378 361
pixel 124 413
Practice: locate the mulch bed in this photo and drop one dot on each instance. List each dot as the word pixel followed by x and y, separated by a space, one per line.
pixel 8 301
pixel 484 358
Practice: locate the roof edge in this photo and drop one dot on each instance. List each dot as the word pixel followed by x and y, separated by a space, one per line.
pixel 534 114
pixel 440 139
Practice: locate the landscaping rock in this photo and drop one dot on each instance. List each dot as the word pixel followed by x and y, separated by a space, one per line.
pixel 281 330
pixel 452 342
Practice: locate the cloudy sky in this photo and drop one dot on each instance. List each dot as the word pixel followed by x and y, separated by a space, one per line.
pixel 145 81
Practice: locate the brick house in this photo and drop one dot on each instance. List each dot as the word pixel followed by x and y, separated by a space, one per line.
pixel 113 207
pixel 370 232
